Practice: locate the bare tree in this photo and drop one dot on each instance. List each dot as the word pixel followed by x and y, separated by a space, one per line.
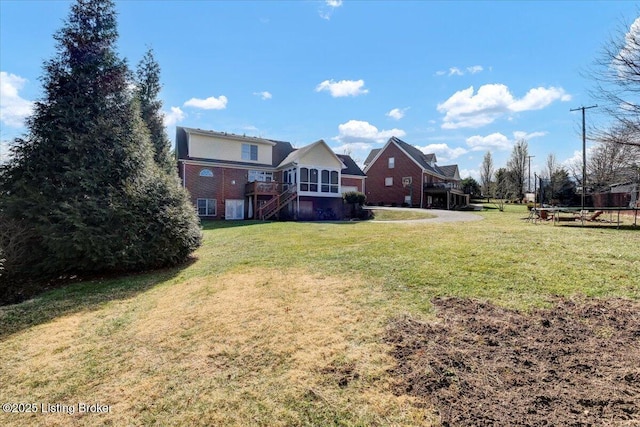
pixel 486 173
pixel 517 167
pixel 552 165
pixel 551 173
pixel 612 163
pixel 617 77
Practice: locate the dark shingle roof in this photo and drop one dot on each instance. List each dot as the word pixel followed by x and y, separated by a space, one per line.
pixel 371 155
pixel 352 167
pixel 417 155
pixel 449 171
pixel 280 151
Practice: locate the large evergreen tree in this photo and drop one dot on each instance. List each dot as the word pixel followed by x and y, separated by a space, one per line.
pixel 148 90
pixel 83 183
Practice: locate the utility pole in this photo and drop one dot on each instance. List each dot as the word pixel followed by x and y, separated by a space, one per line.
pixel 584 151
pixel 529 180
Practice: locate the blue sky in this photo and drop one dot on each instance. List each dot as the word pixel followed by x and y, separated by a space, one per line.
pixel 456 79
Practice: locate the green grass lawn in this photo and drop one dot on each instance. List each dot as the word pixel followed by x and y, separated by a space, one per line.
pixel 281 323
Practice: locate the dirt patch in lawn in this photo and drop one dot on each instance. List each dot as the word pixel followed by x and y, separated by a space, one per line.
pixel 575 364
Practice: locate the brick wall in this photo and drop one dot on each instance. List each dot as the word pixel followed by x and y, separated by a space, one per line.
pixel 352 182
pixel 377 191
pixel 226 183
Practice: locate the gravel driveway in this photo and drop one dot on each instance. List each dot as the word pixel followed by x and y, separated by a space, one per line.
pixel 441 215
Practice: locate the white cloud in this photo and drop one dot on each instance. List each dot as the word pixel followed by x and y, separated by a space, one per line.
pixel 360 131
pixel 455 71
pixel 517 135
pixel 353 147
pixel 397 113
pixel 174 116
pixel 13 108
pixel 343 87
pixel 211 103
pixel 443 152
pixel 473 173
pixel 494 141
pixel 329 6
pixel 264 95
pixel 538 98
pixel 468 109
pixel 498 141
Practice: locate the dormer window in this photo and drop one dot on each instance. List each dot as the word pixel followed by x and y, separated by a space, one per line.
pixel 249 152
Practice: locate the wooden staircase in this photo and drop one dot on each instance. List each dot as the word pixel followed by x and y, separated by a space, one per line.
pixel 274 205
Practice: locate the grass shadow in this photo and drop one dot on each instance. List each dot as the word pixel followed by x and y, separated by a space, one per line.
pixel 600 226
pixel 219 225
pixel 86 295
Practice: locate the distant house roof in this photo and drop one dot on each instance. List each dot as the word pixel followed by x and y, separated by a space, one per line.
pixel 450 171
pixel 351 167
pixel 426 161
pixel 371 156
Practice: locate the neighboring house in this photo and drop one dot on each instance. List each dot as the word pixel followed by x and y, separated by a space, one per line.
pixel 238 177
pixel 400 174
pixel 623 195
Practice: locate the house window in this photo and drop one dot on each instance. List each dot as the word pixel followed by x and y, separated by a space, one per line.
pixel 392 162
pixel 249 152
pixel 388 181
pixel 334 182
pixel 206 172
pixel 260 176
pixel 325 181
pixel 304 179
pixel 313 180
pixel 309 179
pixel 206 207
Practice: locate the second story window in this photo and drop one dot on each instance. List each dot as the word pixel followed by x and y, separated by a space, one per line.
pixel 249 152
pixel 392 162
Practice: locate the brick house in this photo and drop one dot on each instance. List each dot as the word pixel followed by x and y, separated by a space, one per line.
pixel 400 174
pixel 239 177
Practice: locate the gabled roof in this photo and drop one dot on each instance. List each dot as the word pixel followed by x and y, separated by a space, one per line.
pixel 426 161
pixel 351 168
pixel 297 154
pixel 450 171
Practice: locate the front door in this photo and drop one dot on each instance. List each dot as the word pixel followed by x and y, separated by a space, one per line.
pixel 234 209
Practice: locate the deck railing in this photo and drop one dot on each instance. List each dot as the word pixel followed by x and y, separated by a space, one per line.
pixel 441 185
pixel 258 187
